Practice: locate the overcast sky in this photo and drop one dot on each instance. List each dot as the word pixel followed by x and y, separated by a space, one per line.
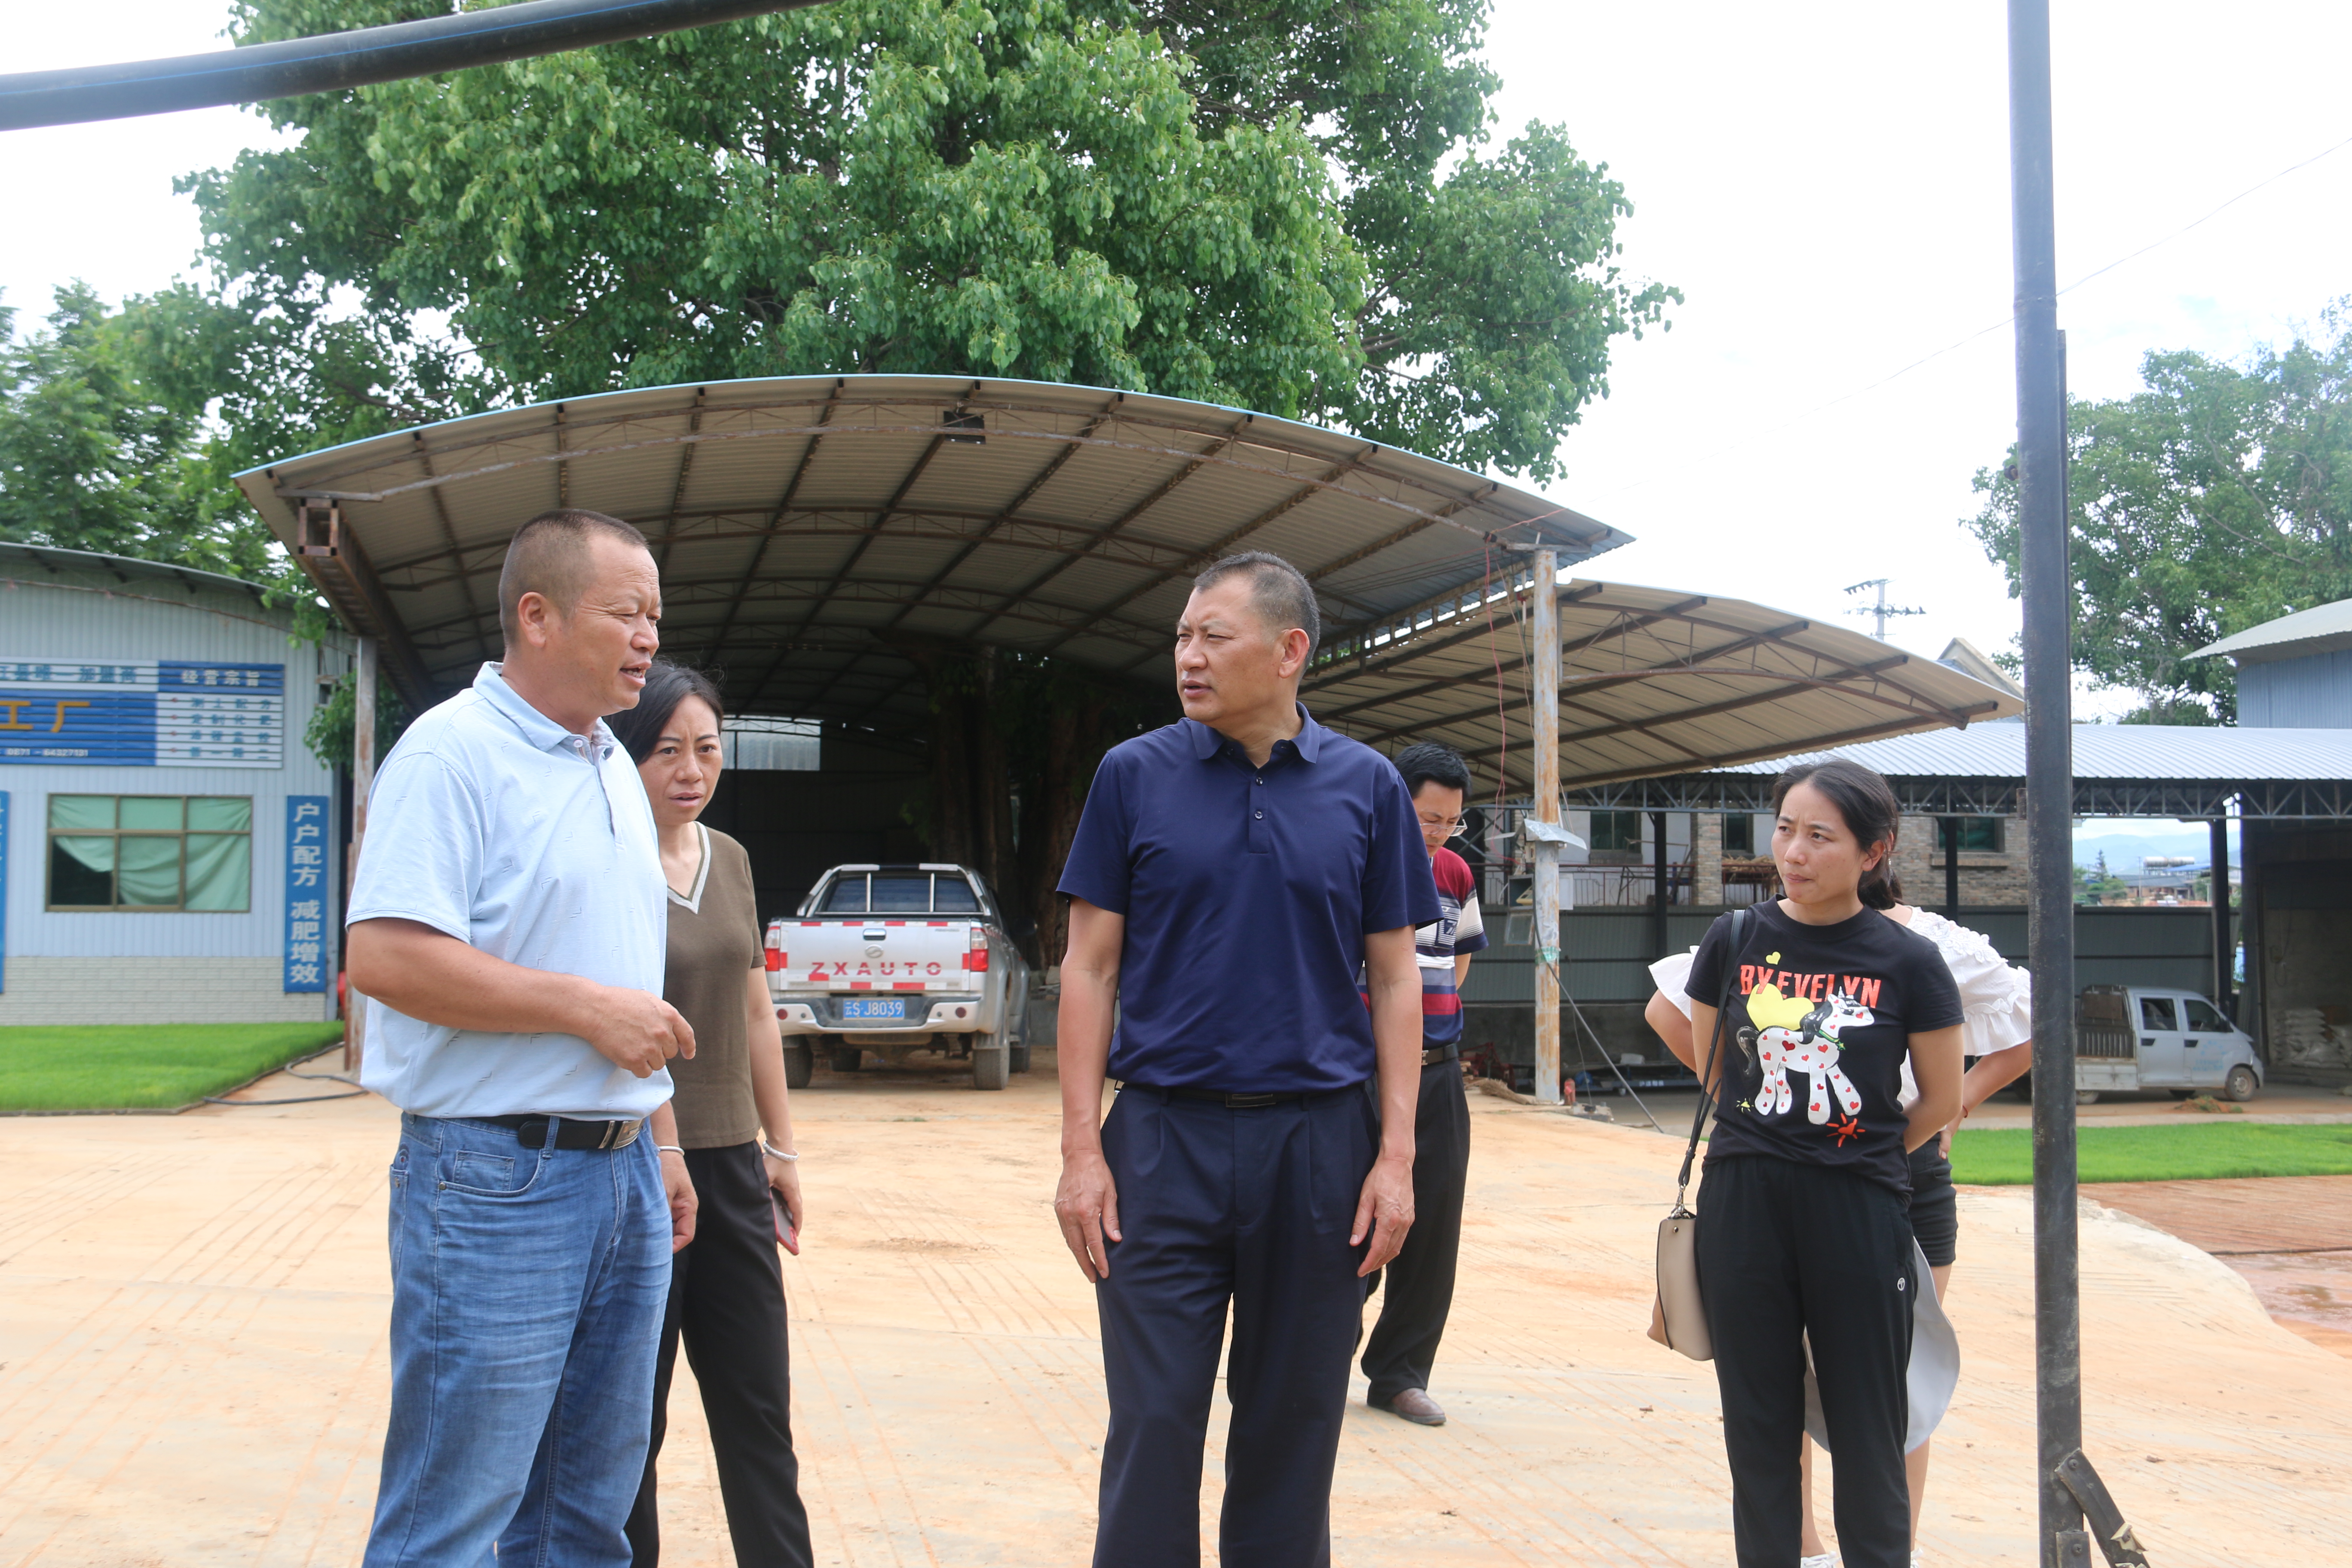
pixel 1827 184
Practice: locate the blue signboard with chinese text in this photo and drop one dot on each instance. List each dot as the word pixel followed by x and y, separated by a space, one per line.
pixel 173 714
pixel 306 892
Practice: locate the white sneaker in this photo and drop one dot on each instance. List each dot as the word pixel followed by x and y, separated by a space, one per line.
pixel 1826 1560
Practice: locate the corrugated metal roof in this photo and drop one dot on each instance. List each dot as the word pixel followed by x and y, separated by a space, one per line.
pixel 1651 681
pixel 2324 625
pixel 813 527
pixel 90 565
pixel 818 534
pixel 2105 751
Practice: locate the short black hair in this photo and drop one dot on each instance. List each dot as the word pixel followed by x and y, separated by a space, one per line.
pixel 1432 763
pixel 1279 593
pixel 667 684
pixel 549 556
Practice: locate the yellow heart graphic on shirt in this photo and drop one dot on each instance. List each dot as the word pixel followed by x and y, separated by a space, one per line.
pixel 1771 958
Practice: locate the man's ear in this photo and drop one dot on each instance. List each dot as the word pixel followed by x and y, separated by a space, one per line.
pixel 1294 652
pixel 535 615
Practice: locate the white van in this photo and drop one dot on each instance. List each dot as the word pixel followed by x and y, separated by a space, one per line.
pixel 2130 1037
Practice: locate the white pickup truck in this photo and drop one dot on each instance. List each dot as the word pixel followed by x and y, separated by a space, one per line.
pixel 898 959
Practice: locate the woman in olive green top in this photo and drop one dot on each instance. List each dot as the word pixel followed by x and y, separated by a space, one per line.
pixel 735 1126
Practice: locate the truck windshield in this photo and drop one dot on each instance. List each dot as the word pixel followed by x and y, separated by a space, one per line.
pixel 901 893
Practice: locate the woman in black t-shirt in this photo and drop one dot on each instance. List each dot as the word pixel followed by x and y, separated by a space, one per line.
pixel 1804 1234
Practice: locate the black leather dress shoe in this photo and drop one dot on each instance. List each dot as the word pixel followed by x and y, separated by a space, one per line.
pixel 1416 1406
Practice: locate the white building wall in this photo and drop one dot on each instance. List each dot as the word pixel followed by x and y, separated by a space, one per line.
pixel 76 966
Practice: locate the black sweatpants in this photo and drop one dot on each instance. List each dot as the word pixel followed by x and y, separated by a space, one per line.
pixel 1417 1289
pixel 726 1303
pixel 1250 1206
pixel 1788 1252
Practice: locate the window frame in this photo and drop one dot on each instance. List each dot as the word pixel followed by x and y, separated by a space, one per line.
pixel 1963 828
pixel 1597 848
pixel 117 832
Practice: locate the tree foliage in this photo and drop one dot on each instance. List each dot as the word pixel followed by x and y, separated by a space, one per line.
pixel 1243 203
pixel 2216 499
pixel 93 456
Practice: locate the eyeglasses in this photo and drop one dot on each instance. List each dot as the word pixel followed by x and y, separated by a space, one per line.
pixel 1452 824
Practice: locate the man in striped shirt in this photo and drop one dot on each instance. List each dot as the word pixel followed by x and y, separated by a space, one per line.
pixel 1419 1288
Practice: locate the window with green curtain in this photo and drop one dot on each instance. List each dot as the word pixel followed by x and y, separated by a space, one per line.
pixel 1975 833
pixel 1616 831
pixel 150 852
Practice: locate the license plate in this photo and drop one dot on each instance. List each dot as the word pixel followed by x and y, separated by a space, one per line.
pixel 875 1008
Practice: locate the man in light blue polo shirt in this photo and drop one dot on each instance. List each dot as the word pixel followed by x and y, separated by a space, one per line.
pixel 508 926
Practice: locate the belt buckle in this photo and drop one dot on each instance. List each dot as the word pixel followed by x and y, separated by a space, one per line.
pixel 1249 1102
pixel 620 1135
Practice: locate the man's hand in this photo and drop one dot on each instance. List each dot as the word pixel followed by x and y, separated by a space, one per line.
pixel 639 1031
pixel 1384 1211
pixel 784 1181
pixel 1087 1204
pixel 678 1188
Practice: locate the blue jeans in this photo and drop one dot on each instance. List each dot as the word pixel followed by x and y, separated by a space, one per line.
pixel 527 1294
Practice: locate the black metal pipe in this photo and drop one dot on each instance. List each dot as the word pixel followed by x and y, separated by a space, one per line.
pixel 2049 766
pixel 1951 825
pixel 2225 971
pixel 335 62
pixel 1661 894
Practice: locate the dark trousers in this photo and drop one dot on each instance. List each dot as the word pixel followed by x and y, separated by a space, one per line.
pixel 1788 1253
pixel 1417 1289
pixel 1252 1208
pixel 727 1303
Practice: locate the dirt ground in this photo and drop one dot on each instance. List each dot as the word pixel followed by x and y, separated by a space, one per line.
pixel 192 1358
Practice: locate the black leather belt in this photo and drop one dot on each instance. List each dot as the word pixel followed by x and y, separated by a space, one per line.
pixel 1436 1054
pixel 531 1131
pixel 1219 1097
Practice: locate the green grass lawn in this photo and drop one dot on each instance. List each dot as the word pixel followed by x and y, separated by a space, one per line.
pixel 125 1066
pixel 2003 1156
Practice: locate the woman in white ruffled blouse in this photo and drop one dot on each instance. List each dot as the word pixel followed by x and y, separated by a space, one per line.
pixel 1997 1033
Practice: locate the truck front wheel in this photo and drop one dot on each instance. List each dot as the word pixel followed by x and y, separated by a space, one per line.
pixel 990 1061
pixel 800 1062
pixel 2240 1085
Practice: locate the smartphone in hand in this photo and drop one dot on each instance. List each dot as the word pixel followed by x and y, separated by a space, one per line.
pixel 785 1236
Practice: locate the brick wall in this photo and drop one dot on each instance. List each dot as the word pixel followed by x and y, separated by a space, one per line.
pixel 1987 878
pixel 154 991
pixel 1706 857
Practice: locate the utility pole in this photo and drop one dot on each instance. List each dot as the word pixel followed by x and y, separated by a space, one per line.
pixel 1882 609
pixel 1543 835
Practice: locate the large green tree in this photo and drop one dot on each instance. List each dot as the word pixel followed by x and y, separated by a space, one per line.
pixel 2215 500
pixel 93 456
pixel 1282 205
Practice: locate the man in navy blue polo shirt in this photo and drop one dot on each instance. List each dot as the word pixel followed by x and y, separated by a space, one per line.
pixel 1231 875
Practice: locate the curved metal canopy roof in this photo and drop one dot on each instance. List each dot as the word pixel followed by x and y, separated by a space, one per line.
pixel 819 535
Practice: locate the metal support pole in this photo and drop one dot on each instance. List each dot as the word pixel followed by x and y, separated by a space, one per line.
pixel 2225 971
pixel 2049 768
pixel 364 682
pixel 1951 827
pixel 1660 895
pixel 338 62
pixel 1545 626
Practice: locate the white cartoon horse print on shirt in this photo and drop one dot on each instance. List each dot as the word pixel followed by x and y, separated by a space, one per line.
pixel 1795 1034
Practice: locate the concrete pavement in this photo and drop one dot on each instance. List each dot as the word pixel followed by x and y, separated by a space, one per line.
pixel 192 1358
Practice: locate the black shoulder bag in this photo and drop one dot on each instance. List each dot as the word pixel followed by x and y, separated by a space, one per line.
pixel 1678 1315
